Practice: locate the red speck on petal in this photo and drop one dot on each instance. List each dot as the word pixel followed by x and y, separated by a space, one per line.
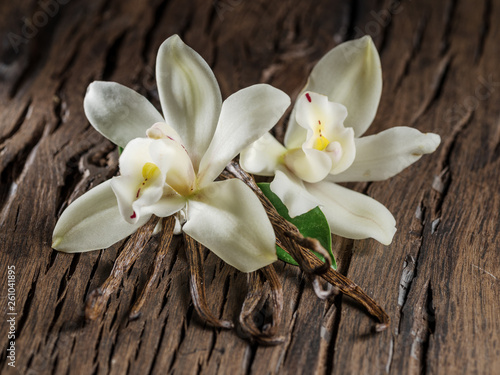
pixel 138 191
pixel 133 216
pixel 319 122
pixel 308 98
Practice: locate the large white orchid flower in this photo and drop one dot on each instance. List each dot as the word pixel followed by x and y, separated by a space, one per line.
pixel 173 169
pixel 323 145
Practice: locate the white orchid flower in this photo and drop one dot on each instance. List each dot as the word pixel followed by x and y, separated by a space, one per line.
pixel 323 145
pixel 174 168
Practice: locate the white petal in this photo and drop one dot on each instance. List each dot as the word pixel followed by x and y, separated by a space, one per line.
pixel 180 219
pixel 295 134
pixel 345 145
pixel 134 156
pixel 315 108
pixel 245 117
pixel 92 222
pixel 292 193
pixel 172 159
pixel 353 215
pixel 168 205
pixel 130 188
pixel 138 194
pixel 119 113
pixel 308 164
pixel 263 156
pixel 384 155
pixel 162 130
pixel 313 112
pixel 189 94
pixel 125 189
pixel 132 205
pixel 349 74
pixel 228 218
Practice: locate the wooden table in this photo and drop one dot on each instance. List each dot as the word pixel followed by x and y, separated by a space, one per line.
pixel 438 280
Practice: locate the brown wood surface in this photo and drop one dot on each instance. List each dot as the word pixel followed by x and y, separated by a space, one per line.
pixel 439 280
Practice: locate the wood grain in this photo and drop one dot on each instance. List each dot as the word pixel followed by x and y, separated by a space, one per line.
pixel 438 280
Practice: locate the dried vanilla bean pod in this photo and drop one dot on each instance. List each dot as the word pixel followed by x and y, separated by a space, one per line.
pixel 349 288
pixel 308 262
pixel 290 232
pixel 194 253
pixel 306 257
pixel 287 240
pixel 313 244
pixel 254 302
pixel 323 293
pixel 98 298
pixel 165 241
pixel 276 297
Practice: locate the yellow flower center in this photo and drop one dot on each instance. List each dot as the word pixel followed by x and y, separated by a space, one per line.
pixel 149 172
pixel 320 142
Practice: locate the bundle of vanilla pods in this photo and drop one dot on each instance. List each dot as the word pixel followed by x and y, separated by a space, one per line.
pixel 263 285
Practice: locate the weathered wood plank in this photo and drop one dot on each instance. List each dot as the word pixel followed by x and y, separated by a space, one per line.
pixel 440 65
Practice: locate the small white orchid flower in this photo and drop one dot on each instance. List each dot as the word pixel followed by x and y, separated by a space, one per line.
pixel 174 168
pixel 328 147
pixel 323 145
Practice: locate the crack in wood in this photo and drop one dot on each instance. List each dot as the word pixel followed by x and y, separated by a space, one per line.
pixel 23 116
pixel 443 179
pixel 448 20
pixel 248 358
pixel 495 154
pixel 52 258
pixel 484 32
pixel 105 7
pixel 343 268
pixel 16 168
pixel 351 19
pixel 406 279
pixel 182 336
pixel 16 150
pixel 28 304
pixel 161 339
pixel 211 347
pixel 387 26
pixel 36 56
pixel 77 23
pixel 292 326
pixel 92 274
pixel 112 56
pixel 165 295
pixel 158 14
pixel 405 284
pixel 95 360
pixel 60 111
pixel 418 36
pixel 140 341
pixel 436 88
pixel 424 329
pixel 209 28
pixel 390 357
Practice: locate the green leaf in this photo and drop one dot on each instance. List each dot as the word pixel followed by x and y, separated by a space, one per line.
pixel 311 224
pixel 120 150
